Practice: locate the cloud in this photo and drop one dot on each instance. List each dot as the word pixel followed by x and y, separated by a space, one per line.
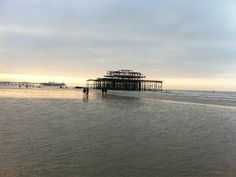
pixel 165 38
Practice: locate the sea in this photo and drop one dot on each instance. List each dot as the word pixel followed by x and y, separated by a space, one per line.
pixel 62 133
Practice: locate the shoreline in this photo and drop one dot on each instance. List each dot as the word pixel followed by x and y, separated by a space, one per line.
pixel 76 94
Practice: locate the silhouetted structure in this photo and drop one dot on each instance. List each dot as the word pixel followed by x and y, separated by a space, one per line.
pixel 53 84
pixel 32 84
pixel 125 80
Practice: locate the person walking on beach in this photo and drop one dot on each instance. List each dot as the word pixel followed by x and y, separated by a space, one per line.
pixel 104 92
pixel 87 91
pixel 84 90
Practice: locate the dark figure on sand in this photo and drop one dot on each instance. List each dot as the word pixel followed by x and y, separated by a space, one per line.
pixel 104 91
pixel 86 90
pixel 85 96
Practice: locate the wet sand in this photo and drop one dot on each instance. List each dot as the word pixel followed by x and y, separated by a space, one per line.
pixel 62 133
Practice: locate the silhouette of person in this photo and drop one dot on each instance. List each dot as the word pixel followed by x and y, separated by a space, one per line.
pixel 84 90
pixel 104 92
pixel 87 91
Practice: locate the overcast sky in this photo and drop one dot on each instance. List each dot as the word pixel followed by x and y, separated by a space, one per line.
pixel 183 42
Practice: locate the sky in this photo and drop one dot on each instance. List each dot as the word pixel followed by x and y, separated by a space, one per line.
pixel 189 44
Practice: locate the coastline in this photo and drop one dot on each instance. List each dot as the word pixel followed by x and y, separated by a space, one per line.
pixel 184 97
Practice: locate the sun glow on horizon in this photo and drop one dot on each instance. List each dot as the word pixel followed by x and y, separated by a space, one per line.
pixel 219 84
pixel 70 81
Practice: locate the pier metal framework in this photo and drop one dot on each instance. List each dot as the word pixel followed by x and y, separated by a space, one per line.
pixel 125 80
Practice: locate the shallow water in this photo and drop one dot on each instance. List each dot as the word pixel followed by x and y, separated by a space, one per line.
pixel 61 133
pixel 204 97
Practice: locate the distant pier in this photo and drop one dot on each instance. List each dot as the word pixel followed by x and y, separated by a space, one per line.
pixel 32 84
pixel 125 80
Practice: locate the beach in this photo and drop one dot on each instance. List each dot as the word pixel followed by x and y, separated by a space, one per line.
pixel 63 133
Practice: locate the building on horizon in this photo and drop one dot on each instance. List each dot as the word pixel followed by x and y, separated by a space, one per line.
pixel 125 80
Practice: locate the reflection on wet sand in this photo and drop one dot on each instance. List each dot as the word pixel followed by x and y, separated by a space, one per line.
pixel 67 134
pixel 85 98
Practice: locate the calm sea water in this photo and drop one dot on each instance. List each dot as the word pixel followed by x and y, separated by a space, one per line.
pixel 61 133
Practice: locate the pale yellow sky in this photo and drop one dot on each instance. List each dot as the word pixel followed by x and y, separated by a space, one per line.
pixel 220 84
pixel 188 44
pixel 70 81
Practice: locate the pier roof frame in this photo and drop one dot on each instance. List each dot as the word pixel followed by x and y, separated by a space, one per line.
pixel 124 74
